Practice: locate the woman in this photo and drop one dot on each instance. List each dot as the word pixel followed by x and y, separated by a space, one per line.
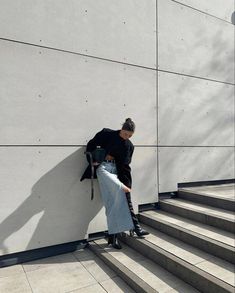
pixel 114 177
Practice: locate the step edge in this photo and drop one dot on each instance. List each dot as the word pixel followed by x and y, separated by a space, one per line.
pixel 193 233
pixel 206 277
pixel 168 214
pixel 200 193
pixel 196 211
pixel 222 203
pixel 196 222
pixel 132 279
pixel 206 244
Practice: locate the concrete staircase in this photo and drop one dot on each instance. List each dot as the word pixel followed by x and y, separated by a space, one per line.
pixel 190 247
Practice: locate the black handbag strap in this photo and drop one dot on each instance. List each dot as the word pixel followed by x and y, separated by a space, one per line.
pixel 92 173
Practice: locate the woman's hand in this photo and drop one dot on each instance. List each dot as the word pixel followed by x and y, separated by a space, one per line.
pixel 126 189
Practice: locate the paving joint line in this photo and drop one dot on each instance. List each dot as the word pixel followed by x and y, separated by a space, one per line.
pixel 27 278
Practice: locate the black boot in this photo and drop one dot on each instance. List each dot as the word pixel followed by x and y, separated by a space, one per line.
pixel 110 239
pixel 138 230
pixel 113 239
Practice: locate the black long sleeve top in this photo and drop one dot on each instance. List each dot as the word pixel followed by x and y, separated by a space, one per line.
pixel 117 147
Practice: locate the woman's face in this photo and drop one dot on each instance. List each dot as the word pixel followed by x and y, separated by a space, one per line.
pixel 125 134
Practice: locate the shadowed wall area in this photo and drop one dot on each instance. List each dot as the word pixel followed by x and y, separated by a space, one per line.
pixel 55 207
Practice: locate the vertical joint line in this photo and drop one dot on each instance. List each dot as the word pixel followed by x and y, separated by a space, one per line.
pixel 157 118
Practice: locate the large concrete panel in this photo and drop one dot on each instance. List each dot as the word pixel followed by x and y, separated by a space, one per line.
pixel 191 164
pixel 44 203
pixel 41 196
pixel 218 8
pixel 194 112
pixel 123 30
pixel 50 97
pixel 194 43
pixel 144 169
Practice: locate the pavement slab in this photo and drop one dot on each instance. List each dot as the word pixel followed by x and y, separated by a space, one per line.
pixel 96 288
pixel 11 271
pixel 16 283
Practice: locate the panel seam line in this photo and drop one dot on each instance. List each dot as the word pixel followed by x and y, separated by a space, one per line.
pixel 113 61
pixel 201 11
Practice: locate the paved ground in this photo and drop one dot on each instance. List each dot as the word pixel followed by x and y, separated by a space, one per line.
pixel 78 272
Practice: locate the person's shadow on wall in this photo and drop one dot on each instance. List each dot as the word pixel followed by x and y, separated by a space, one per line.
pixel 64 206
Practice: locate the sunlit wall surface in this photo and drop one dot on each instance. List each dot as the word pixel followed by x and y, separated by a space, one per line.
pixel 70 68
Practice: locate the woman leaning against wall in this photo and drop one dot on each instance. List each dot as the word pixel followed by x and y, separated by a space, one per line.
pixel 115 181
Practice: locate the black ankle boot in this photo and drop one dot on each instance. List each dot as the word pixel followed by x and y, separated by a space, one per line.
pixel 113 239
pixel 116 244
pixel 137 229
pixel 110 239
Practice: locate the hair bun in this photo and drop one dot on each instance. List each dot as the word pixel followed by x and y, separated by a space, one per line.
pixel 128 125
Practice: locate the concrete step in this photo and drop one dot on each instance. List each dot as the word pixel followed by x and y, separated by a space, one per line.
pixel 222 190
pixel 107 279
pixel 217 196
pixel 205 214
pixel 201 270
pixel 140 273
pixel 209 239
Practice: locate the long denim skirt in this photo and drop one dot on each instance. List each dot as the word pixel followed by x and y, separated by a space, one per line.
pixel 114 199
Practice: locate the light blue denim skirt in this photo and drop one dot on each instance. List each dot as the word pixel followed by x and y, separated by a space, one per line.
pixel 114 199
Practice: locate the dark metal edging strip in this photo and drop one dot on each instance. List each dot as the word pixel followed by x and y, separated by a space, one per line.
pixel 38 253
pixel 205 183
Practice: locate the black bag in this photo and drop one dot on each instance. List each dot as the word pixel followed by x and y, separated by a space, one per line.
pixel 97 156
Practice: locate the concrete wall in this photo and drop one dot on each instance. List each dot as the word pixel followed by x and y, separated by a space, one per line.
pixel 70 68
pixel 195 91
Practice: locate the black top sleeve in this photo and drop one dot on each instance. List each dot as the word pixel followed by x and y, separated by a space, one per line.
pixel 123 165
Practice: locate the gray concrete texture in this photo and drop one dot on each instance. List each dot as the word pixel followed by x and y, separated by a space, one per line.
pixel 80 271
pixel 166 64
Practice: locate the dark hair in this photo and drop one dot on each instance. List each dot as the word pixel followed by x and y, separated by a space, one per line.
pixel 128 125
